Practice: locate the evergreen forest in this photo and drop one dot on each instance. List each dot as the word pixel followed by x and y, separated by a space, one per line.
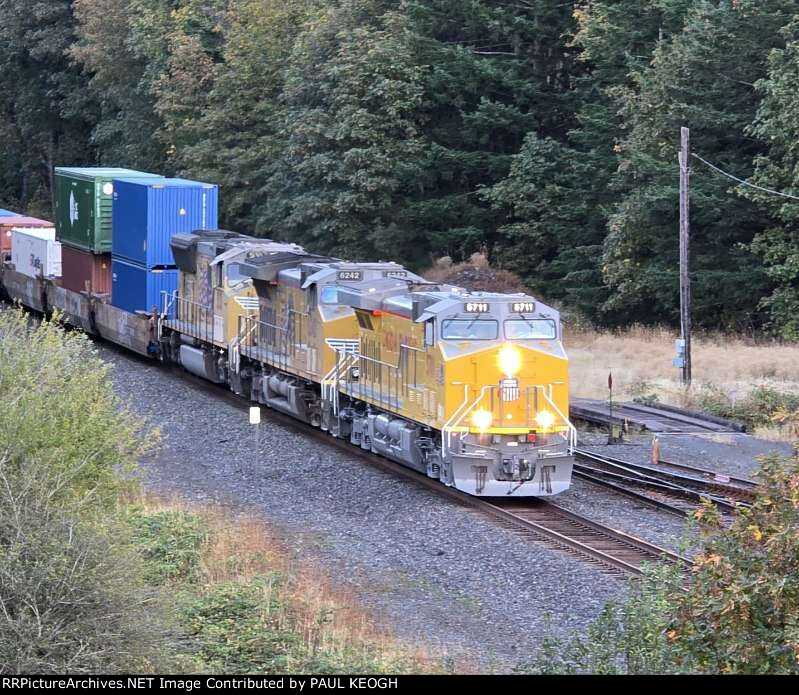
pixel 541 133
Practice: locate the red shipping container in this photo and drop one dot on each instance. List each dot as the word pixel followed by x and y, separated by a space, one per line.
pixel 80 267
pixel 8 223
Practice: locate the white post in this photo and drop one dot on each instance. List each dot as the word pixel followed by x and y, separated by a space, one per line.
pixel 255 419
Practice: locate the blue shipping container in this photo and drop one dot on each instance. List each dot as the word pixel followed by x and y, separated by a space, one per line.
pixel 134 288
pixel 147 213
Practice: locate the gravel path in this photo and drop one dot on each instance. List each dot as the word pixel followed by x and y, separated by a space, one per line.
pixel 439 574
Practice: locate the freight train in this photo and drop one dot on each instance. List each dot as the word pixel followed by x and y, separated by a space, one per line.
pixel 469 388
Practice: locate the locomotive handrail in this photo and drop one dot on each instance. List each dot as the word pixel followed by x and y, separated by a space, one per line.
pixel 457 416
pixel 572 428
pixel 398 376
pixel 397 366
pixel 461 412
pixel 185 300
pixel 200 316
pixel 283 329
pixel 167 301
pixel 283 347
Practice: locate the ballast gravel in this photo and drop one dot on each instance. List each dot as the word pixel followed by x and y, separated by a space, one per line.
pixel 439 575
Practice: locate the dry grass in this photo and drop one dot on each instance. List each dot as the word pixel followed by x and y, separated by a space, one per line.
pixel 644 355
pixel 640 360
pixel 326 615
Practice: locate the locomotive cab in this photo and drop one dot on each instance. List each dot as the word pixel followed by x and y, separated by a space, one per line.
pixel 471 388
pixel 505 377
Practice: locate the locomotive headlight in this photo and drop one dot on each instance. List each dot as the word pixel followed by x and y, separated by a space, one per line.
pixel 510 360
pixel 482 419
pixel 545 419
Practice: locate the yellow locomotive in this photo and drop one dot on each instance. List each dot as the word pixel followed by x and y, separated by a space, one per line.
pixel 468 388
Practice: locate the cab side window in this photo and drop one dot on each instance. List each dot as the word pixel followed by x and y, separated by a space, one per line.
pixel 430 332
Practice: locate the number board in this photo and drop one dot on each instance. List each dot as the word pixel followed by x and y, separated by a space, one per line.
pixel 395 273
pixel 522 307
pixel 350 275
pixel 476 307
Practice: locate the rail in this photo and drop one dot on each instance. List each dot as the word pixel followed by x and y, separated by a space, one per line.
pixel 573 543
pixel 667 489
pixel 537 521
pixel 583 536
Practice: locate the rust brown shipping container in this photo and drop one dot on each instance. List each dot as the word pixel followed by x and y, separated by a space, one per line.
pixel 81 267
pixel 8 222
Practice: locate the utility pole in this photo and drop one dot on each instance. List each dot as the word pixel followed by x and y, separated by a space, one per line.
pixel 685 237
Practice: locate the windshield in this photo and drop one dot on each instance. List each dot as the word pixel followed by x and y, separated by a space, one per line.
pixel 329 295
pixel 469 329
pixel 234 276
pixel 530 329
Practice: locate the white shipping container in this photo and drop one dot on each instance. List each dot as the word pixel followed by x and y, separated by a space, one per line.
pixel 35 252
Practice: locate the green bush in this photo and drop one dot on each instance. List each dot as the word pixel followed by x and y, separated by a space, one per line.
pixel 170 542
pixel 644 393
pixel 59 408
pixel 627 638
pixel 756 410
pixel 248 627
pixel 738 614
pixel 72 598
pixel 234 625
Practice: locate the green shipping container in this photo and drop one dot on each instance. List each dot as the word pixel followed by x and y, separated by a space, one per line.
pixel 83 197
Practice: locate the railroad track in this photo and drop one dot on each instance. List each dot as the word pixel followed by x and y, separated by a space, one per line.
pixel 676 487
pixel 584 537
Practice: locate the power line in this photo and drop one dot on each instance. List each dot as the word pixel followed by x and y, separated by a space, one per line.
pixel 741 181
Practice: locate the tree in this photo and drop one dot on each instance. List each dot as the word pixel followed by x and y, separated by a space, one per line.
pixel 554 229
pixel 776 124
pixel 44 101
pixel 558 194
pixel 349 134
pixel 107 48
pixel 230 136
pixel 498 72
pixel 694 80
